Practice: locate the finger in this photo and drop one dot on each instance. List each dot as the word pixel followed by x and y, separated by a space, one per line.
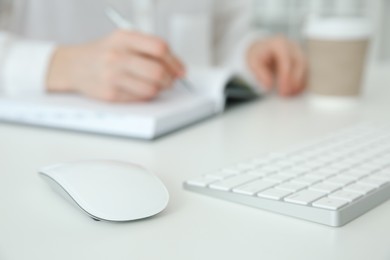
pixel 156 48
pixel 292 82
pixel 283 63
pixel 108 94
pixel 126 97
pixel 262 67
pixel 176 65
pixel 137 88
pixel 300 70
pixel 149 70
pixel 301 78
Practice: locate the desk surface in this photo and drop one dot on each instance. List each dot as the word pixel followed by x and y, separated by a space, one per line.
pixel 35 223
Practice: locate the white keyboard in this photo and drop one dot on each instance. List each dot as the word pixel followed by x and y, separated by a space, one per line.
pixel 329 181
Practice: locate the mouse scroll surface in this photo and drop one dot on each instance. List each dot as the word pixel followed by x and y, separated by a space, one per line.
pixel 110 190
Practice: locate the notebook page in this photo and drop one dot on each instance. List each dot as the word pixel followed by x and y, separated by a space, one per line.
pixel 211 83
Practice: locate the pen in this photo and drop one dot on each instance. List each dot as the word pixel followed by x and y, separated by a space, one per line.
pixel 125 24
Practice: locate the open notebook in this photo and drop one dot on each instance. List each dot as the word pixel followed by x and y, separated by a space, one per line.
pixel 172 110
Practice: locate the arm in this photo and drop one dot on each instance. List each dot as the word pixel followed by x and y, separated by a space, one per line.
pixel 268 61
pixel 122 67
pixel 23 65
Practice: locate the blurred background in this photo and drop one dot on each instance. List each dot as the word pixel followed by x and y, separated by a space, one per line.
pixel 289 16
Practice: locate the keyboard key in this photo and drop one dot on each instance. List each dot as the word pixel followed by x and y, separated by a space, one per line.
pixel 356 173
pixel 338 181
pixel 312 165
pixel 324 172
pixel 254 187
pixel 370 181
pixel 325 187
pixel 329 203
pixel 368 168
pixel 345 195
pixel 381 176
pixel 283 165
pixel 277 178
pixel 246 166
pixel 260 162
pixel 276 156
pixel 385 170
pixel 340 166
pixel 352 162
pixel 201 182
pixel 274 194
pixel 232 182
pixel 234 169
pixel 221 175
pixel 294 160
pixel 378 164
pixel 291 186
pixel 270 168
pixel 359 188
pixel 308 180
pixel 304 197
pixel 293 172
pixel 325 161
pixel 259 173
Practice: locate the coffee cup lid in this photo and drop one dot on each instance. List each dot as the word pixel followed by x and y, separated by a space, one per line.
pixel 337 28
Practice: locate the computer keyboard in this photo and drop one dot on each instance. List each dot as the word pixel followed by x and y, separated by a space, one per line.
pixel 331 181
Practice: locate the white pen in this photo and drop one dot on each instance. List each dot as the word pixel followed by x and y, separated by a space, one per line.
pixel 125 24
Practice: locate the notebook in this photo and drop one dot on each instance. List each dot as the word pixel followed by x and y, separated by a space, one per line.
pixel 171 111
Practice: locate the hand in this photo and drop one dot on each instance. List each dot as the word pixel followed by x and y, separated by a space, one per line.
pixel 125 66
pixel 278 62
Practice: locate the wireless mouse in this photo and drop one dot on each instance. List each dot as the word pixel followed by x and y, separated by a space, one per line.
pixel 109 190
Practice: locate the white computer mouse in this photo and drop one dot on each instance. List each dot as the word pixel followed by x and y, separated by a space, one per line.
pixel 109 190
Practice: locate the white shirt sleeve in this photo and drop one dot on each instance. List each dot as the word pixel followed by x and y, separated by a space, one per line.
pixel 23 65
pixel 234 36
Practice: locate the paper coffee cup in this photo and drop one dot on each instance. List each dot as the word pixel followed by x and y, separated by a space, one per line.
pixel 337 50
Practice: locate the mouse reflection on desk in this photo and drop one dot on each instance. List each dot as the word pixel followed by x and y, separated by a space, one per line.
pixel 109 190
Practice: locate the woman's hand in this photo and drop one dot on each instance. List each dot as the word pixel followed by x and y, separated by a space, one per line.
pixel 125 66
pixel 278 62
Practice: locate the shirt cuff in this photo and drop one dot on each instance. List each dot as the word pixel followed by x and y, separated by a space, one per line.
pixel 25 67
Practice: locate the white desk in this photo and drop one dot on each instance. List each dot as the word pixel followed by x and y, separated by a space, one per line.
pixel 36 223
